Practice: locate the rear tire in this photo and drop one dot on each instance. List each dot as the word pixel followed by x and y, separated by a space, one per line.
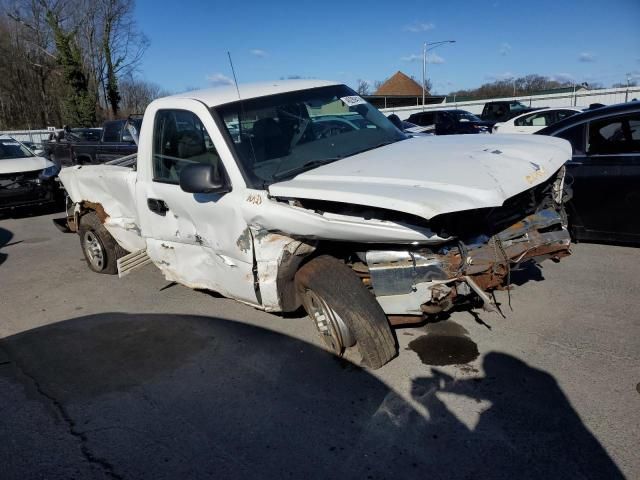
pixel 100 249
pixel 344 311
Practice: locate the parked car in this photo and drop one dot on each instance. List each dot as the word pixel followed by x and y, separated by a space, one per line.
pixel 25 179
pixel 503 110
pixel 450 122
pixel 531 122
pixel 365 228
pixel 80 146
pixel 604 172
pixel 410 128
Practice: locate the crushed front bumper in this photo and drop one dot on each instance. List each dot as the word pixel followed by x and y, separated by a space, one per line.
pixel 427 282
pixel 26 189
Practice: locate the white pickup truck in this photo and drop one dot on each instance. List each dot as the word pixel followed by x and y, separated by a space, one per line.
pixel 301 193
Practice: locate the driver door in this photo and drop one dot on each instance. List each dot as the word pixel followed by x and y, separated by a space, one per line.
pixel 192 238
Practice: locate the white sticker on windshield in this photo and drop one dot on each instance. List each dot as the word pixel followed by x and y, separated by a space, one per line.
pixel 353 100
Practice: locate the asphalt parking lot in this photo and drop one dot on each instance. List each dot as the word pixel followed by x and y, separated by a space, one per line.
pixel 140 378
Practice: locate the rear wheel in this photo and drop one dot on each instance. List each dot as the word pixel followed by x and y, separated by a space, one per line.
pixel 344 311
pixel 100 249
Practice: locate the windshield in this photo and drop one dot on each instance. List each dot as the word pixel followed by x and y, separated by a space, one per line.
pixel 10 148
pixel 280 136
pixel 513 106
pixel 460 114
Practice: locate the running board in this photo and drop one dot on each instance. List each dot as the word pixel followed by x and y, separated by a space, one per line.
pixel 132 261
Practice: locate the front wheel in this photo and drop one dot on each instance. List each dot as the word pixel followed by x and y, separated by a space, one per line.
pixel 344 311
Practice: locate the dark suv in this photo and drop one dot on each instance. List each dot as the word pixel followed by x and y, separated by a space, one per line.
pixel 450 122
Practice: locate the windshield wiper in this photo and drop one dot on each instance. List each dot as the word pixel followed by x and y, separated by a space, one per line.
pixel 307 166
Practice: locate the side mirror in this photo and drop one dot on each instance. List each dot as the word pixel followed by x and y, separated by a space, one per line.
pixel 202 178
pixel 127 138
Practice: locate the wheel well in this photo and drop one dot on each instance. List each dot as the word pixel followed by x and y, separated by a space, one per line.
pixel 343 251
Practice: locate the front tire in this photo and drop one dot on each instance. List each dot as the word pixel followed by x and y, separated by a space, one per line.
pixel 100 249
pixel 344 311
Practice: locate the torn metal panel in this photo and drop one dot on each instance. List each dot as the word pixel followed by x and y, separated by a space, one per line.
pixel 411 282
pixel 301 222
pixel 277 259
pixel 108 190
pixel 200 268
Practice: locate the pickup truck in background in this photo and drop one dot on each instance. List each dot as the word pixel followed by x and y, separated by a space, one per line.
pixel 81 147
pixel 303 194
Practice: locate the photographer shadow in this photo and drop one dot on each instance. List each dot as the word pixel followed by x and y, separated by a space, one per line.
pixel 526 427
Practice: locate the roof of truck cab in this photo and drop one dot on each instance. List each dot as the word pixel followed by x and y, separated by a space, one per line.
pixel 227 93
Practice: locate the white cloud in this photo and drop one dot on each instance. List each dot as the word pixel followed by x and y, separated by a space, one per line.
pixel 257 52
pixel 420 27
pixel 216 79
pixel 411 58
pixel 562 77
pixel 500 76
pixel 586 57
pixel 505 49
pixel 432 58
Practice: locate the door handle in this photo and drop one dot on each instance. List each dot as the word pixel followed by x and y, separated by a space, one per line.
pixel 157 206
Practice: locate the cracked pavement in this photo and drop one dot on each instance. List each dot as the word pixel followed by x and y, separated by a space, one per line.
pixel 136 378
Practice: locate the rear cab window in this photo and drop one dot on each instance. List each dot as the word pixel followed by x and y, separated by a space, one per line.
pixel 112 131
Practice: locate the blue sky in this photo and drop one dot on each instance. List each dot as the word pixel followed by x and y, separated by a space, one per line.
pixel 592 41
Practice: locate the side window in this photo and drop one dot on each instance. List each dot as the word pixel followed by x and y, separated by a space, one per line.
pixel 614 135
pixel 634 127
pixel 112 131
pixel 575 136
pixel 539 119
pixel 562 114
pixel 180 139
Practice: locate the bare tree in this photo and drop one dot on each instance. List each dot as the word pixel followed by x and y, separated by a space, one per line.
pixel 137 94
pixel 362 87
pixel 377 84
pixel 507 87
pixel 123 46
pixel 63 59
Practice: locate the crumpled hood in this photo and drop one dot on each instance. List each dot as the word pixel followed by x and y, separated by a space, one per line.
pixel 428 176
pixel 24 164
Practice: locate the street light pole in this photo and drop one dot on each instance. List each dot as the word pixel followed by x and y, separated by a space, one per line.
pixel 424 70
pixel 424 63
